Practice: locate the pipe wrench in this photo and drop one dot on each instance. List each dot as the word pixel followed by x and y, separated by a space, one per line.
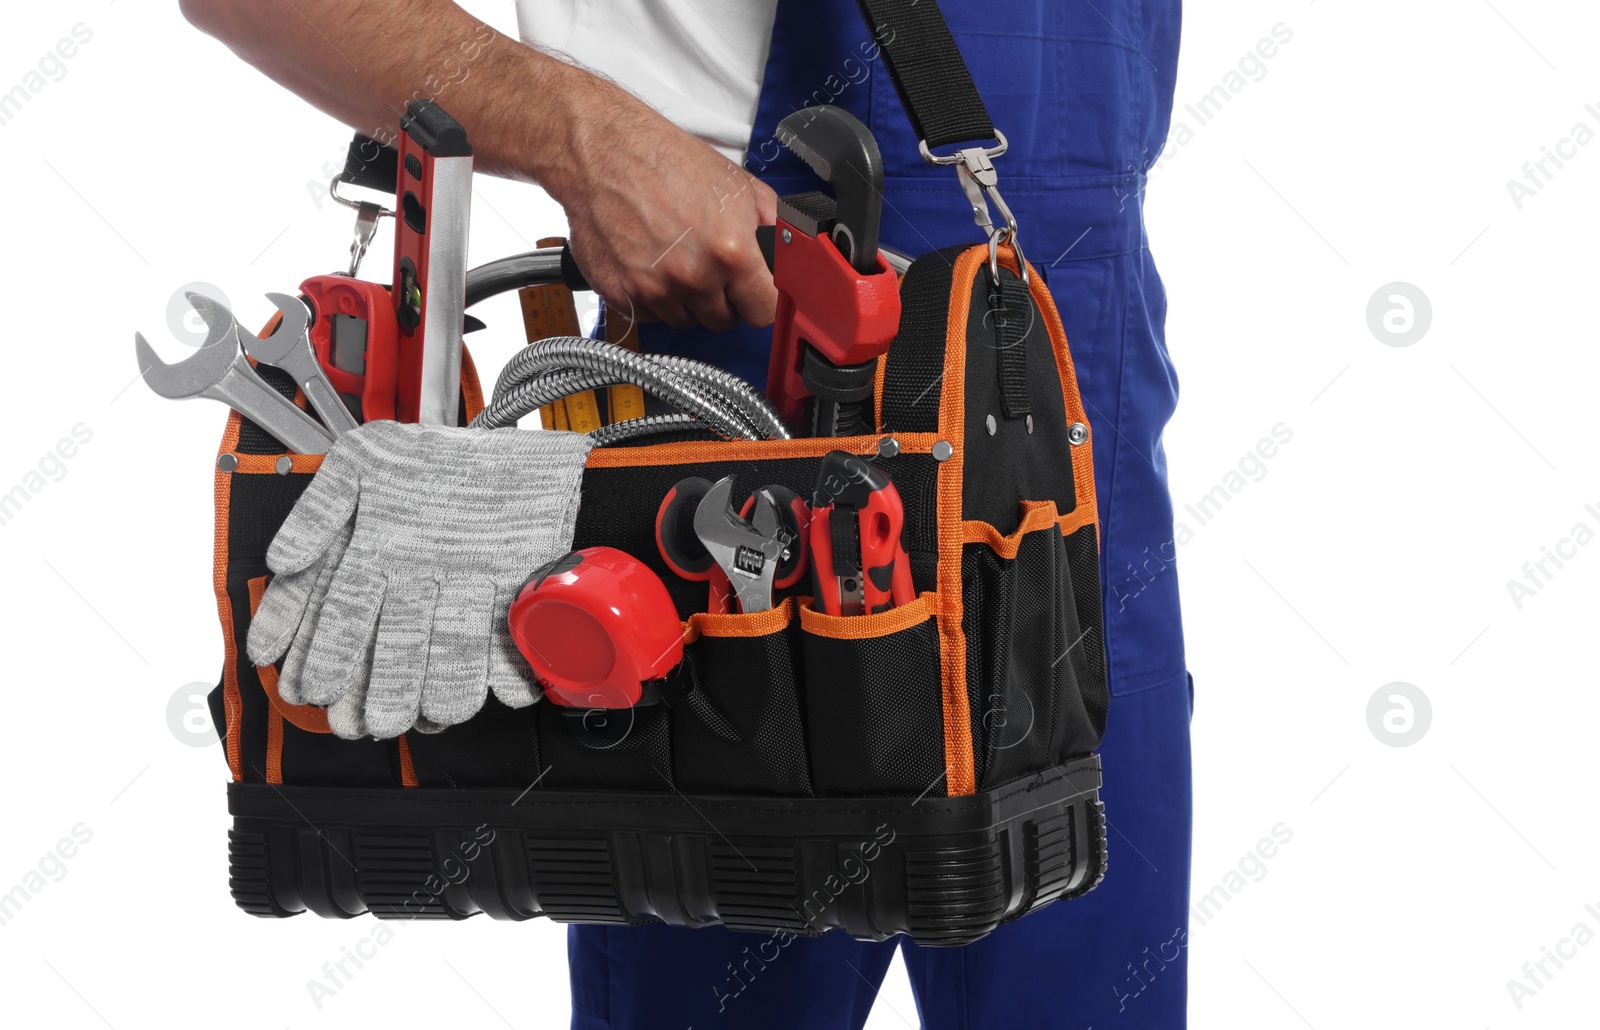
pixel 838 296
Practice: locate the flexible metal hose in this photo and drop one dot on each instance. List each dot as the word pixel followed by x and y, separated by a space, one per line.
pixel 711 384
pixel 505 411
pixel 568 353
pixel 560 366
pixel 733 389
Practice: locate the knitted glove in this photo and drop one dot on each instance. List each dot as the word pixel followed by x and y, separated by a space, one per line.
pixel 408 624
pixel 281 623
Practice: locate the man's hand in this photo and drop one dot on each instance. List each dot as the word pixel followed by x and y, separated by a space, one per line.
pixel 662 225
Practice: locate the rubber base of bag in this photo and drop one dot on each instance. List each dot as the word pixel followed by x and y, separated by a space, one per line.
pixel 946 871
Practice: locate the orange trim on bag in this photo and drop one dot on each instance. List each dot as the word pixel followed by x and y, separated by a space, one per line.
pixel 960 776
pixel 302 717
pixel 305 717
pixel 1083 515
pixel 865 627
pixel 878 376
pixel 752 624
pixel 222 486
pixel 693 451
pixel 1082 471
pixel 408 774
pixel 1036 515
pixel 260 464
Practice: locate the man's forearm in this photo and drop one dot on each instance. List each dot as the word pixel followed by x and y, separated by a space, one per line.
pixel 661 223
pixel 363 61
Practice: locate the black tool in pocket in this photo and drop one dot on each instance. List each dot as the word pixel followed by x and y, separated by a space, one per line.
pixel 872 700
pixel 736 726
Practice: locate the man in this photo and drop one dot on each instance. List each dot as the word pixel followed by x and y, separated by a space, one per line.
pixel 662 223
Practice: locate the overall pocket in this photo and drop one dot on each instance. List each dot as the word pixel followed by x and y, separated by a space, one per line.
pixel 736 725
pixel 1035 658
pixel 873 700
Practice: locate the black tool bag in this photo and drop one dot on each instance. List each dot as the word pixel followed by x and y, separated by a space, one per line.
pixel 927 770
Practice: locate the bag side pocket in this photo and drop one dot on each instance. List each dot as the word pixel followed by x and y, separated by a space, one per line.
pixel 1081 582
pixel 1035 672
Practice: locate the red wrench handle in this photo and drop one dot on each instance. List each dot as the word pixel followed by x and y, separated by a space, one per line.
pixel 846 316
pixel 887 580
pixel 682 550
pixel 857 519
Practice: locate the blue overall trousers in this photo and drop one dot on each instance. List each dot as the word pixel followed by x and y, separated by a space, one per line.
pixel 1083 91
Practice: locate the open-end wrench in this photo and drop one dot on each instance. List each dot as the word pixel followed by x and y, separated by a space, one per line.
pixel 219 371
pixel 288 347
pixel 748 551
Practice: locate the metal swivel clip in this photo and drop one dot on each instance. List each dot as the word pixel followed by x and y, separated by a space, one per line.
pixel 975 169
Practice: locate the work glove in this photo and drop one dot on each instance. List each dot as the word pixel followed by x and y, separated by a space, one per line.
pixel 281 626
pixel 285 627
pixel 395 570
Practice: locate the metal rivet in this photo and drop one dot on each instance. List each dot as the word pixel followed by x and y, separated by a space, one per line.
pixel 1030 425
pixel 227 462
pixel 788 237
pixel 283 465
pixel 993 426
pixel 943 450
pixel 888 447
pixel 1077 433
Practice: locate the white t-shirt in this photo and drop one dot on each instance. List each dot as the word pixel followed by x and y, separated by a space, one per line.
pixel 698 62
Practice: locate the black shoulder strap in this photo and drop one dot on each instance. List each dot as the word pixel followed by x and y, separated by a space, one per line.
pixel 929 73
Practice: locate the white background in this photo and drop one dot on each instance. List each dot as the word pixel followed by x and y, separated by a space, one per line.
pixel 1376 547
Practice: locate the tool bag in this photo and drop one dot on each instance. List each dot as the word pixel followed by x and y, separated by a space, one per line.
pixel 927 770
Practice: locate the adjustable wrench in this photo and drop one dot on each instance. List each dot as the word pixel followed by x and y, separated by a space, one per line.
pixel 219 370
pixel 288 347
pixel 748 552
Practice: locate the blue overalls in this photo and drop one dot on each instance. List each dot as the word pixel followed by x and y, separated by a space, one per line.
pixel 1084 92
